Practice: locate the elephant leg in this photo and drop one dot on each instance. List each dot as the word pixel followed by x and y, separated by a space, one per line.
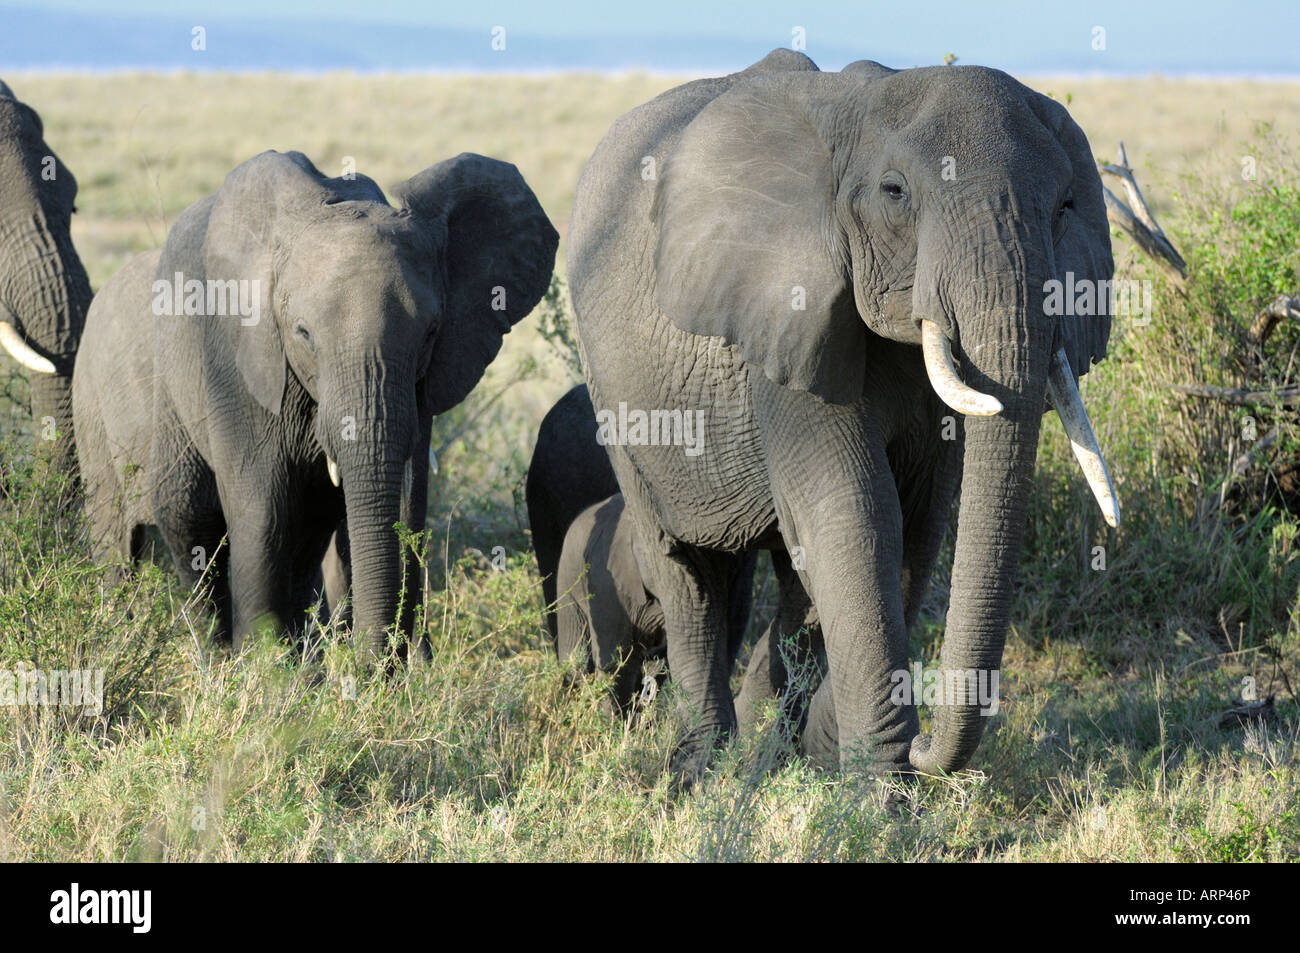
pixel 840 504
pixel 857 591
pixel 740 602
pixel 414 514
pixel 200 555
pixel 262 571
pixel 792 639
pixel 305 598
pixel 573 632
pixel 189 518
pixel 109 534
pixel 692 585
pixel 926 490
pixel 627 680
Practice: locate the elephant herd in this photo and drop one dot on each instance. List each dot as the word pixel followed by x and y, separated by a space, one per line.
pixel 810 308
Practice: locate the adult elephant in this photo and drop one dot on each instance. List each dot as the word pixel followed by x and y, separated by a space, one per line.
pixel 314 403
pixel 826 266
pixel 44 291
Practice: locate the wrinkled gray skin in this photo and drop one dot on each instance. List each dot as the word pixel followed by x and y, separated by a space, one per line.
pixel 570 473
pixel 44 291
pixel 371 317
pixel 606 618
pixel 822 430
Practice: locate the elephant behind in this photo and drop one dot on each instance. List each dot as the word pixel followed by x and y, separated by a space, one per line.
pixel 569 472
pixel 112 403
pixel 848 277
pixel 303 334
pixel 44 291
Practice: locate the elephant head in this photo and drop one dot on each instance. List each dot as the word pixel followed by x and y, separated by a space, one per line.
pixel 803 214
pixel 44 291
pixel 381 318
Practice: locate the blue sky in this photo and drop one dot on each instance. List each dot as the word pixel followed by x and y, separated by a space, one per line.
pixel 1140 35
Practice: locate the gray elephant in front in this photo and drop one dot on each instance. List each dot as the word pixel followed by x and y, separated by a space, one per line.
pixel 44 291
pixel 312 402
pixel 847 273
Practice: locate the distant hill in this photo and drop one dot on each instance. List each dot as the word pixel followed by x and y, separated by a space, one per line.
pixel 37 39
pixel 52 40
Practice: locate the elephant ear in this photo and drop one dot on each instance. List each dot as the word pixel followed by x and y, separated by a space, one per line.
pixel 1084 248
pixel 235 235
pixel 18 121
pixel 497 253
pixel 748 249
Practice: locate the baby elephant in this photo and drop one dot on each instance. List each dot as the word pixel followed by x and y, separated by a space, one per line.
pixel 575 516
pixel 605 614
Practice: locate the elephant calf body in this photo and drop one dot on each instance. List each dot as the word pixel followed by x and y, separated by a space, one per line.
pixel 569 472
pixel 576 518
pixel 607 620
pixel 249 433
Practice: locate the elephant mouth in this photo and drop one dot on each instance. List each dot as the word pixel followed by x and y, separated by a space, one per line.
pixel 1061 391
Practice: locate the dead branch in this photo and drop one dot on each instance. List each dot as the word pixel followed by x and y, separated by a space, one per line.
pixel 1136 220
pixel 1240 397
pixel 1283 306
pixel 1248 459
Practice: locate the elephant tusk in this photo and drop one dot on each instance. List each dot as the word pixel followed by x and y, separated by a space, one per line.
pixel 333 470
pixel 1064 395
pixel 943 376
pixel 433 461
pixel 22 352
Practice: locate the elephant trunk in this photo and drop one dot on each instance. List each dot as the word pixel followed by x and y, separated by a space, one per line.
pixel 46 294
pixel 1005 347
pixel 373 468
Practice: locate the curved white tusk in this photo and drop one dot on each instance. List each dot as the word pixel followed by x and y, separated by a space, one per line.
pixel 943 376
pixel 1064 395
pixel 333 469
pixel 22 352
pixel 433 461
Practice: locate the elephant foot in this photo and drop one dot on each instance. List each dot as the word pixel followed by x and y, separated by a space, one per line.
pixel 694 755
pixel 820 741
pixel 820 744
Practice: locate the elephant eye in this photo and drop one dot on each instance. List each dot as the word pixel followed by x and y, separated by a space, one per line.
pixel 1058 224
pixel 893 191
pixel 301 331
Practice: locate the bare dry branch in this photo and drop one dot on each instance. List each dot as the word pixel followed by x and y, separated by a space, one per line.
pixel 1248 459
pixel 1282 396
pixel 1283 306
pixel 1136 220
